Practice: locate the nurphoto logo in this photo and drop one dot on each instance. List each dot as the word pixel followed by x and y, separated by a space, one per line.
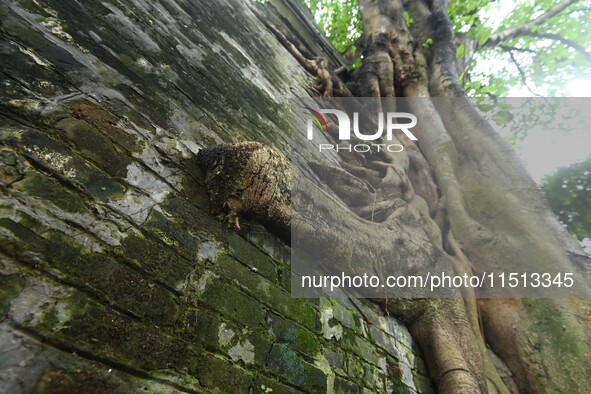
pixel 387 123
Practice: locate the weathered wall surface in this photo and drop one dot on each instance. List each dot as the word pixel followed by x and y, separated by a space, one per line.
pixel 114 277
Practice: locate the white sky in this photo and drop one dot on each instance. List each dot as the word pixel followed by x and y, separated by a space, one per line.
pixel 545 149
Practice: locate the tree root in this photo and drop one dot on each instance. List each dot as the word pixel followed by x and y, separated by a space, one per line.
pixel 243 178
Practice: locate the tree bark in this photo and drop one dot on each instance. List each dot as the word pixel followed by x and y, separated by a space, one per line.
pixel 511 327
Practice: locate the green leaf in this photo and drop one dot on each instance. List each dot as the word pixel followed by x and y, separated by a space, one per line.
pixel 502 117
pixel 484 38
pixel 408 19
pixel 460 51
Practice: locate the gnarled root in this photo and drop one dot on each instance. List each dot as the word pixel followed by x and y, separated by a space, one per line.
pixel 259 179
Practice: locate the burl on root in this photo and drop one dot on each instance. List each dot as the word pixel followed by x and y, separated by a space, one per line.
pixel 248 179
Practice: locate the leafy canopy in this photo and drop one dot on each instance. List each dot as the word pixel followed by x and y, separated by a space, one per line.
pixel 341 22
pixel 543 57
pixel 569 194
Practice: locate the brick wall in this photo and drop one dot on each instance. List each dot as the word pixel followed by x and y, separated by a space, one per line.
pixel 114 276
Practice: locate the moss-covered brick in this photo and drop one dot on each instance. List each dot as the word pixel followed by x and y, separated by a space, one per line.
pixel 268 385
pixel 249 278
pixel 418 364
pixel 156 260
pixel 215 372
pixel 228 300
pixel 10 287
pixel 385 341
pixel 423 384
pixel 93 146
pixel 335 357
pixel 105 122
pixel 269 293
pixel 374 377
pixel 29 71
pixel 203 326
pixel 193 218
pixel 342 386
pixel 38 185
pixel 297 309
pixel 301 312
pixel 193 193
pixel 361 347
pixel 218 334
pixel 98 273
pixel 58 381
pixel 345 316
pixel 288 364
pixel 88 327
pixel 285 278
pixel 77 375
pixel 197 221
pixel 172 234
pixel 228 267
pixel 400 388
pixel 64 162
pixel 295 335
pixel 251 256
pixel 225 336
pixel 354 367
pixel 262 346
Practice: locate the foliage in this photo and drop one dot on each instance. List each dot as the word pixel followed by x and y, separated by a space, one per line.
pixel 516 117
pixel 543 58
pixel 340 20
pixel 569 194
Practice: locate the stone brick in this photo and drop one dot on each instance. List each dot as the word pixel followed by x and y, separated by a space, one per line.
pixel 203 326
pixel 297 336
pixel 70 319
pixel 423 384
pixel 61 159
pixel 214 372
pixel 342 386
pixel 251 256
pixel 94 146
pixel 172 234
pixel 108 279
pixel 267 385
pixel 297 372
pixel 344 315
pixel 361 347
pixel 228 300
pixel 387 342
pixel 156 260
pixel 335 358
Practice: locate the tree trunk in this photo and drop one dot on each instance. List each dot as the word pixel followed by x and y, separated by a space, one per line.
pixel 530 336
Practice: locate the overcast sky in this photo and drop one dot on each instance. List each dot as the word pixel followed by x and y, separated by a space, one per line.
pixel 548 147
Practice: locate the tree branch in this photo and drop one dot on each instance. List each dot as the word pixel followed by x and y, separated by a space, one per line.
pixel 569 43
pixel 524 29
pixel 508 48
pixel 522 74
